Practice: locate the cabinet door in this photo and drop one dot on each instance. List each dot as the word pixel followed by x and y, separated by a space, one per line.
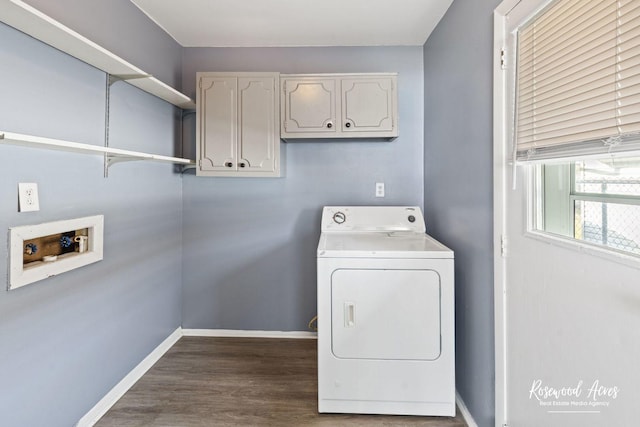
pixel 368 105
pixel 309 106
pixel 217 124
pixel 259 142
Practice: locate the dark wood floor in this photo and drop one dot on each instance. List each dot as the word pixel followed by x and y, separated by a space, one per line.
pixel 239 382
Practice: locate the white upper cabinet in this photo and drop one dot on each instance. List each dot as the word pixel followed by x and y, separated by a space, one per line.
pixel 339 106
pixel 368 105
pixel 309 105
pixel 237 121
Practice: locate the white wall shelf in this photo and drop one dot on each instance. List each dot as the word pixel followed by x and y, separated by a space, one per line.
pixel 114 155
pixel 31 21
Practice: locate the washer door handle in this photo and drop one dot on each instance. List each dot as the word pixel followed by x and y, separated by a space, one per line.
pixel 349 314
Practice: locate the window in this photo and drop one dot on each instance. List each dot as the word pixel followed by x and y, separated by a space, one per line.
pixel 594 201
pixel 577 116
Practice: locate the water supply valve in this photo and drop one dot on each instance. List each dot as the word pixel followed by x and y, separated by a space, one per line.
pixel 31 249
pixel 65 241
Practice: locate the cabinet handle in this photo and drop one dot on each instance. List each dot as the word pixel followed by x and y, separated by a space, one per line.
pixel 348 124
pixel 228 164
pixel 329 125
pixel 242 165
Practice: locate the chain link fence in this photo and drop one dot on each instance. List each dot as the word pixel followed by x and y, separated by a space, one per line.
pixel 613 221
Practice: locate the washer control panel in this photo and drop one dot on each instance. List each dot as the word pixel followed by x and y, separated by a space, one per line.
pixel 373 218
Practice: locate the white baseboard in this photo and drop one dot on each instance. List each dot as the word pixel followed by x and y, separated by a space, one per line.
pixel 128 381
pixel 464 411
pixel 247 334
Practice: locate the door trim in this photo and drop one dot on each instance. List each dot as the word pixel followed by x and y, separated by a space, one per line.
pixel 500 179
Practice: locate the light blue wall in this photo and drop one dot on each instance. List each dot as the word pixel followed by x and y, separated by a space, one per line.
pixel 67 340
pixel 122 28
pixel 250 244
pixel 458 184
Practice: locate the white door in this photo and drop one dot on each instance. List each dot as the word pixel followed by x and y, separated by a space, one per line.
pixel 567 316
pixel 257 123
pixel 309 105
pixel 367 104
pixel 218 123
pixel 385 314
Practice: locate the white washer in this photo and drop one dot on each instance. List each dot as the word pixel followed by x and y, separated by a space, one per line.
pixel 385 314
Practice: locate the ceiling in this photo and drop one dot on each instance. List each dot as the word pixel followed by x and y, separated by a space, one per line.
pixel 260 23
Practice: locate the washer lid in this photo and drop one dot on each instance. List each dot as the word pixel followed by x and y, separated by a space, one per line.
pixel 398 244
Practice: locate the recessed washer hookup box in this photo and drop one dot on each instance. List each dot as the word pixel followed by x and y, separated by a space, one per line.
pixel 39 251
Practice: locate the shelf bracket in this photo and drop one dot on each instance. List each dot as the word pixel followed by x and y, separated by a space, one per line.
pixel 112 160
pixel 111 79
pixel 124 77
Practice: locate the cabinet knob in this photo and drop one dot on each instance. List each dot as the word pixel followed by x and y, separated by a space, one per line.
pixel 329 125
pixel 242 164
pixel 228 164
pixel 348 124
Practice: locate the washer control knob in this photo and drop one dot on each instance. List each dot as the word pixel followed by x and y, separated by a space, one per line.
pixel 339 217
pixel 411 218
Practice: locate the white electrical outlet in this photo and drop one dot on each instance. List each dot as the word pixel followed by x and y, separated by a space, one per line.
pixel 28 197
pixel 379 189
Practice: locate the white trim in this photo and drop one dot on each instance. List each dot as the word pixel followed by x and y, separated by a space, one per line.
pixel 247 334
pixel 464 411
pixel 505 7
pixel 500 179
pixel 101 408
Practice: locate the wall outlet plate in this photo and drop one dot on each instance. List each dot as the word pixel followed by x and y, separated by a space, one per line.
pixel 28 197
pixel 379 189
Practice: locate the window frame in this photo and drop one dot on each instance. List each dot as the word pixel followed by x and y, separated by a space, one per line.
pixel 535 202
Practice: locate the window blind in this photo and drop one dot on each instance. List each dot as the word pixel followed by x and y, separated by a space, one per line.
pixel 578 80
